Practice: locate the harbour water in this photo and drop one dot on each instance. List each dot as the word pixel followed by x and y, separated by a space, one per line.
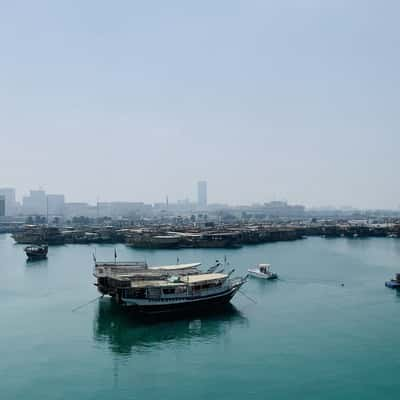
pixel 327 329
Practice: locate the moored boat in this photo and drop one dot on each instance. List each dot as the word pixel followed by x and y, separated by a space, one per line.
pixel 38 234
pixel 166 289
pixel 36 252
pixel 112 275
pixel 262 271
pixel 394 283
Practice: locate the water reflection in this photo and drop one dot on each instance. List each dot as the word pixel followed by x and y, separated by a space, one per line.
pixel 38 262
pixel 125 333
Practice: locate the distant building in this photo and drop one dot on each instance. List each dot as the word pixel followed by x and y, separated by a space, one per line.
pixel 2 206
pixel 35 203
pixel 10 201
pixel 55 204
pixel 116 209
pixel 202 194
pixel 79 210
pixel 283 209
pixel 273 209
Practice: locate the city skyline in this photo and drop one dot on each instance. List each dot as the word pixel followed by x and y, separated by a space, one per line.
pixel 271 100
pixel 199 199
pixel 52 200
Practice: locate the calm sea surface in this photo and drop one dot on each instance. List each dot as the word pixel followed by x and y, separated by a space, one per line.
pixel 307 337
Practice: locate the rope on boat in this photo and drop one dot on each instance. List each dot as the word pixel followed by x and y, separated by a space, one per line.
pixel 86 304
pixel 245 295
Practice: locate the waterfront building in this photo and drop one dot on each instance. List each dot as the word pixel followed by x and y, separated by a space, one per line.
pixel 35 203
pixel 116 209
pixel 77 209
pixel 10 201
pixel 55 204
pixel 273 209
pixel 202 194
pixel 181 207
pixel 283 209
pixel 161 207
pixel 2 206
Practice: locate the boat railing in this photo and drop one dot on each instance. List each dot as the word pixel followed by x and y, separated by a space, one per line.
pixel 205 292
pixel 187 294
pixel 121 264
pixel 237 281
pixel 105 268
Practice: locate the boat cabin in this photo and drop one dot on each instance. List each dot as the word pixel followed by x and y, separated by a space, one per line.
pixel 264 268
pixel 176 286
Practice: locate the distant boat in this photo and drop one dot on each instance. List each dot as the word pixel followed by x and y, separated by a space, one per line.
pixel 393 283
pixel 36 252
pixel 262 271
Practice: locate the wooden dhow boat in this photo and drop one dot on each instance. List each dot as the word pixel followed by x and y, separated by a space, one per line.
pixel 165 289
pixel 394 283
pixel 35 252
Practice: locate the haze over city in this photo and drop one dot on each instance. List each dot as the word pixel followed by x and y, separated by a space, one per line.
pixel 199 199
pixel 264 100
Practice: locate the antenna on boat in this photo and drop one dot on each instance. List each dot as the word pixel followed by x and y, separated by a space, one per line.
pixel 214 267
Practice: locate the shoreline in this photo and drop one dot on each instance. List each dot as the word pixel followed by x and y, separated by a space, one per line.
pixel 178 237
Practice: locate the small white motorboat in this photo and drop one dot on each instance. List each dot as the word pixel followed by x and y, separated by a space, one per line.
pixel 262 271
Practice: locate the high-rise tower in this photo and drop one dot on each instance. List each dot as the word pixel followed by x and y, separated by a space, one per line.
pixel 202 194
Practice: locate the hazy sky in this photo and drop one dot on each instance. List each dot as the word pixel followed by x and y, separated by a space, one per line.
pixel 133 100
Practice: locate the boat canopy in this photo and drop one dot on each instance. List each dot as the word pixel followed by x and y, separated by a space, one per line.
pixel 203 277
pixel 176 266
pixel 154 283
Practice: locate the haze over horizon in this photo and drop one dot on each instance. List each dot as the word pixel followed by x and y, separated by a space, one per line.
pixel 265 100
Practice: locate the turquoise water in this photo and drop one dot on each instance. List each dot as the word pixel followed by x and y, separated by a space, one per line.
pixel 307 337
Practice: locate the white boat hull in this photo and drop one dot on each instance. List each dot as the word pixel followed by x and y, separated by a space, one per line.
pixel 257 274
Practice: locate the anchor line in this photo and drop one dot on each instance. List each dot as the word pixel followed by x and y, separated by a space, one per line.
pixel 248 297
pixel 86 304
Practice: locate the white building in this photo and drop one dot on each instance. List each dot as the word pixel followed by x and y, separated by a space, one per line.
pixel 10 201
pixel 202 194
pixel 35 203
pixel 55 204
pixel 2 206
